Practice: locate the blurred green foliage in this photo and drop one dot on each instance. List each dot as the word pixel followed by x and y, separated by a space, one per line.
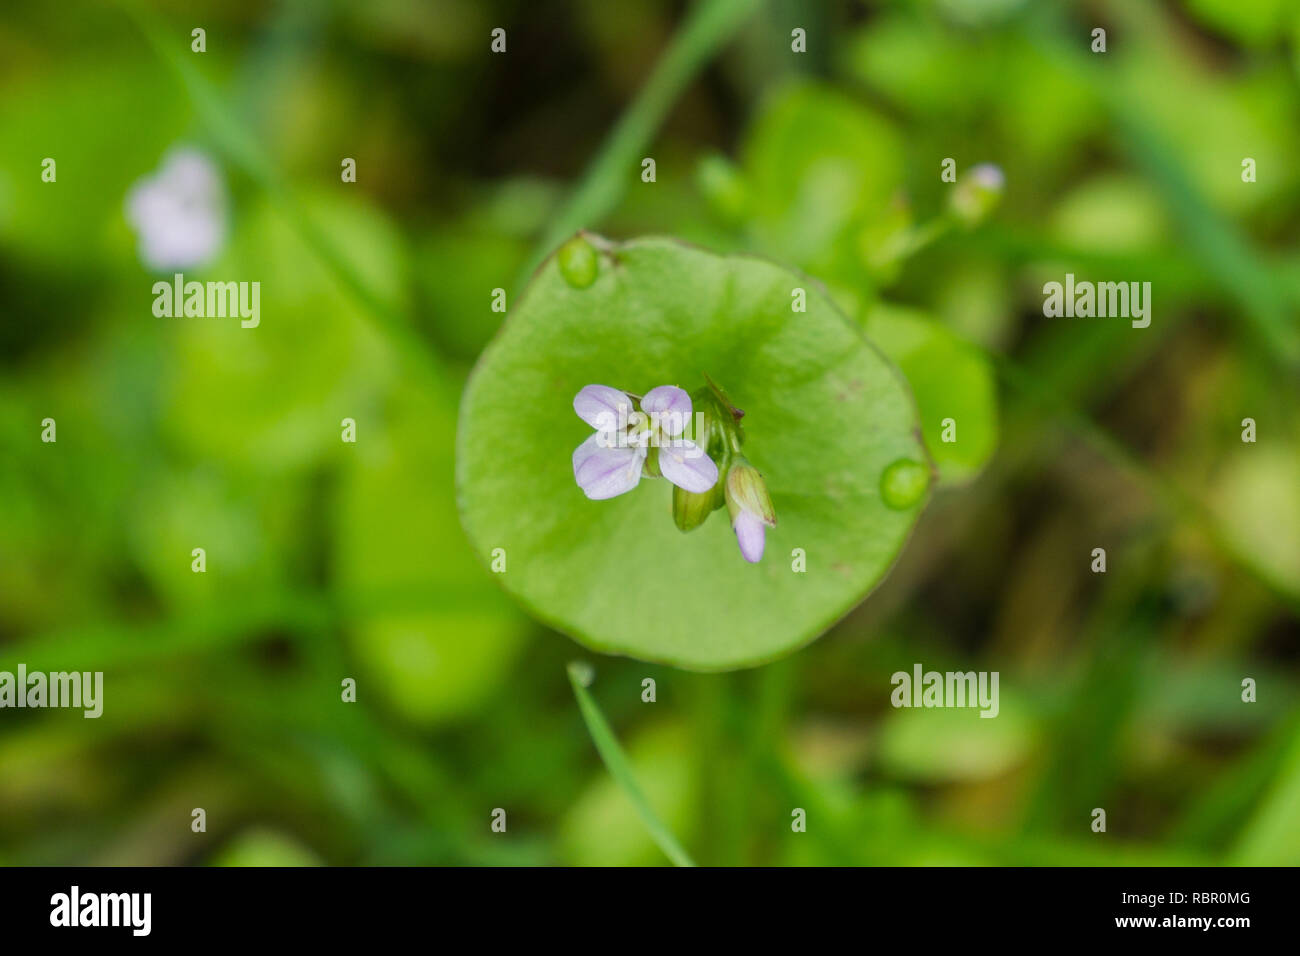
pixel 329 560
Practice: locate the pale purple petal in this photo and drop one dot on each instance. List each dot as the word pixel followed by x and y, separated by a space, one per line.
pixel 179 212
pixel 671 405
pixel 599 406
pixel 608 472
pixel 586 450
pixel 750 535
pixel 988 176
pixel 684 464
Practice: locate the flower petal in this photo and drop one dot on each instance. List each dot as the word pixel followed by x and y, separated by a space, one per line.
pixel 607 472
pixel 685 464
pixel 671 405
pixel 750 535
pixel 586 450
pixel 599 405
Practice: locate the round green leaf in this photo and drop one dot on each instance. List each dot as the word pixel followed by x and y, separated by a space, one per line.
pixel 263 846
pixel 396 532
pixel 820 164
pixel 948 744
pixel 951 379
pixel 270 397
pixel 825 415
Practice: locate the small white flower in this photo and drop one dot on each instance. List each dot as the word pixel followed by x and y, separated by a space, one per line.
pixel 179 212
pixel 611 461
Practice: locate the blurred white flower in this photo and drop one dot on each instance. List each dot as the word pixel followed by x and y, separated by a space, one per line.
pixel 179 212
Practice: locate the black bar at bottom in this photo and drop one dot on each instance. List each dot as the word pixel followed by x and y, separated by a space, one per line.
pixel 333 906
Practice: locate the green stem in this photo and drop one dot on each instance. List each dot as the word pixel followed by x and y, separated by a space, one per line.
pixel 619 768
pixel 913 240
pixel 710 24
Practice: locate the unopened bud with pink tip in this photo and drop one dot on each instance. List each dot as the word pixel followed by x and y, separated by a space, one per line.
pixel 978 193
pixel 750 507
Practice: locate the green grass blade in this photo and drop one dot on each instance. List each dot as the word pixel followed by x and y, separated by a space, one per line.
pixel 616 762
pixel 709 25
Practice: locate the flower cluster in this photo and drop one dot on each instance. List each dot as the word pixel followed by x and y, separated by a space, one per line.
pixel 645 436
pixel 612 461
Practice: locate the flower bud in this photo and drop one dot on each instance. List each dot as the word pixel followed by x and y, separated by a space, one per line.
pixel 690 510
pixel 746 491
pixel 977 194
pixel 578 262
pixel 723 185
pixel 750 507
pixel 904 483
